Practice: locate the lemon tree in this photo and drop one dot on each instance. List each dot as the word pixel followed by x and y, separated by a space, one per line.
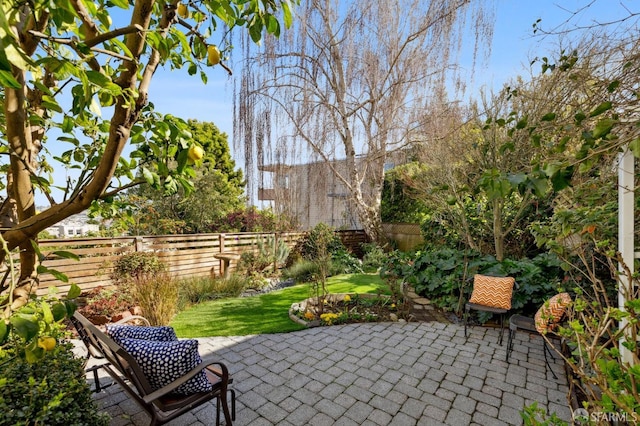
pixel 53 52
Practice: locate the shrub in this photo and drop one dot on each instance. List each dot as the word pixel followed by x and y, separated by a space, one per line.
pixel 107 301
pixel 301 272
pixel 136 265
pixel 194 290
pixel 342 262
pixel 446 277
pixel 52 391
pixel 320 241
pixel 374 257
pixel 157 295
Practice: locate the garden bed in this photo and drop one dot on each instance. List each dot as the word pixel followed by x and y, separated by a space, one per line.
pixel 344 308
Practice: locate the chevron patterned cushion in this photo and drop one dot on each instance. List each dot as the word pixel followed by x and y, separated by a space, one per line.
pixel 492 291
pixel 551 312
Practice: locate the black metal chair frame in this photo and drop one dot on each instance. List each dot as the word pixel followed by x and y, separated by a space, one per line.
pixel 474 306
pixel 522 323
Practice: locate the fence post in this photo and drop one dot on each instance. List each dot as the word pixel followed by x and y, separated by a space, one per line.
pixel 221 238
pixel 139 244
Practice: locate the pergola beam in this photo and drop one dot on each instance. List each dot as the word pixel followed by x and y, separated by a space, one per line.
pixel 626 245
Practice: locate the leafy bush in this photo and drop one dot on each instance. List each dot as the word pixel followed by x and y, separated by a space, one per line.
pixel 374 257
pixel 107 301
pixel 33 329
pixel 52 391
pixel 321 240
pixel 135 265
pixel 301 272
pixel 342 262
pixel 446 277
pixel 194 290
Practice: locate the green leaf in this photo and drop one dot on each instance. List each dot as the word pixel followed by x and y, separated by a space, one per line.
pixel 36 249
pixel 122 4
pixel 550 116
pixel 47 315
pixel 273 26
pixel 603 107
pixel 74 291
pixel 59 275
pixel 148 175
pixel 78 156
pixel 4 331
pixel 33 355
pixel 25 328
pixel 59 311
pixel 7 80
pixel 66 254
pixel 603 127
pixel 70 307
pixel 613 86
pixel 286 14
pixel 539 186
pixel 98 78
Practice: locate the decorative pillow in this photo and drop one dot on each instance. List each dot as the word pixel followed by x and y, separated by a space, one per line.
pixel 164 362
pixel 158 334
pixel 551 312
pixel 492 291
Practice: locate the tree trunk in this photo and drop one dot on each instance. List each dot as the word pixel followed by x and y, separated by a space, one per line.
pixel 20 192
pixel 498 232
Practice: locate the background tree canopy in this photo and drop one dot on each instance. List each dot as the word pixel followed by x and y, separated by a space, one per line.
pixel 218 190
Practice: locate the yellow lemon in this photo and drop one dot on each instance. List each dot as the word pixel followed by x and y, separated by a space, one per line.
pixel 213 54
pixel 47 343
pixel 195 153
pixel 182 10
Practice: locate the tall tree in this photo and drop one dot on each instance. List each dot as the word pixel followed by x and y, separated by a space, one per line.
pixel 349 82
pixel 53 51
pixel 218 190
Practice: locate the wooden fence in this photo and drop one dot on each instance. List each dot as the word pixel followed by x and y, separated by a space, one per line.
pixel 184 255
pixel 407 236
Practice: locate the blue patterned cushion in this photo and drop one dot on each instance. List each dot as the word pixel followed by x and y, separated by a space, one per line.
pixel 164 362
pixel 159 334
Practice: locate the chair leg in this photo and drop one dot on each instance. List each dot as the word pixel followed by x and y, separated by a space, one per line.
pixel 233 407
pixel 466 316
pixel 98 387
pixel 501 329
pixel 510 344
pixel 546 360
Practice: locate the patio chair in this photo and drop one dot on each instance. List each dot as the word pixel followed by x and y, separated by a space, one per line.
pixel 490 294
pixel 545 321
pixel 168 400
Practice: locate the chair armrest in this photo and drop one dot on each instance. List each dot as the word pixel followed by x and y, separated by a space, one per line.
pixel 221 372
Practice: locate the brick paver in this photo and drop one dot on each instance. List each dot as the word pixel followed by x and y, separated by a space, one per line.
pixel 416 373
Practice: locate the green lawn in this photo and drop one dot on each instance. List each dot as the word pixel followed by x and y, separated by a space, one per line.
pixel 263 314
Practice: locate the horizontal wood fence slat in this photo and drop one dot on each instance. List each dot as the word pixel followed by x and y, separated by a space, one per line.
pixel 184 255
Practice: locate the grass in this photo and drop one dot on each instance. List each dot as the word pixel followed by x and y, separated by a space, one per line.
pixel 263 314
